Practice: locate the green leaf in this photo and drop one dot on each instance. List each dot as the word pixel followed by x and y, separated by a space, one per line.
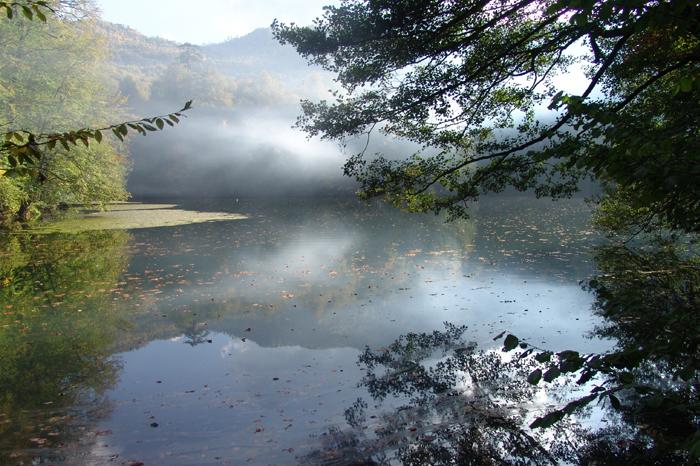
pixel 12 173
pixel 686 84
pixel 543 357
pixel 686 373
pixel 570 365
pixel 548 420
pixel 525 353
pixel 534 377
pixel 510 343
pixel 626 378
pixel 569 355
pixel 572 406
pixel 159 123
pixel 615 402
pixel 694 449
pixel 98 136
pixel 27 12
pixel 586 376
pixel 552 373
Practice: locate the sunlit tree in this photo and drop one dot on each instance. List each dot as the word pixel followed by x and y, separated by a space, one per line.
pixel 54 109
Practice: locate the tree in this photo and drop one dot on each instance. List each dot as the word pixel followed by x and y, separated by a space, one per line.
pixel 191 76
pixel 58 331
pixel 51 83
pixel 474 84
pixel 453 404
pixel 473 81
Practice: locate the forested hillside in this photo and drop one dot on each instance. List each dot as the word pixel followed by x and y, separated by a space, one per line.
pixel 244 90
pixel 250 70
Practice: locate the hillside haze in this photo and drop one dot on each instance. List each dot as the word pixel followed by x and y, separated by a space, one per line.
pixel 238 141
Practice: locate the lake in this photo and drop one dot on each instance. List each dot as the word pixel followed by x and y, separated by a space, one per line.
pixel 237 341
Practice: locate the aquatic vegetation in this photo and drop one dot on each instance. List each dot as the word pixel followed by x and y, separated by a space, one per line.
pixel 130 216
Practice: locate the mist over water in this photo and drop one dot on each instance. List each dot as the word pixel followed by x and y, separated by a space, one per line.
pixel 238 140
pixel 251 154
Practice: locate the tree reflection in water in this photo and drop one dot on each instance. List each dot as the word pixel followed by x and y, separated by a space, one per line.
pixel 56 340
pixel 453 404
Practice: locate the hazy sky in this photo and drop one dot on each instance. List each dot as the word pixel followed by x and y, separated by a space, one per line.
pixel 206 21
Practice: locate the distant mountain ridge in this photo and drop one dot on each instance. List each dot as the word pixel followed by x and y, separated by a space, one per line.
pixel 241 56
pixel 254 50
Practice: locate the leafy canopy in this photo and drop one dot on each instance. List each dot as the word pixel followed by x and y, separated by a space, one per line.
pixel 473 82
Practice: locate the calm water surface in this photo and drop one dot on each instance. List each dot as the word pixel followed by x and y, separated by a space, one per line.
pixel 236 342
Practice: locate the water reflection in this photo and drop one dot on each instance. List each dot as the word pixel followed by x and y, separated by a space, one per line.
pixel 358 276
pixel 213 331
pixel 227 400
pixel 56 341
pixel 649 296
pixel 460 405
pixel 457 406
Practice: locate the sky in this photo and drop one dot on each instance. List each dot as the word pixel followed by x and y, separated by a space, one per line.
pixel 207 21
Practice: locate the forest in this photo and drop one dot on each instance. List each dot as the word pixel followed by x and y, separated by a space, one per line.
pixel 409 232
